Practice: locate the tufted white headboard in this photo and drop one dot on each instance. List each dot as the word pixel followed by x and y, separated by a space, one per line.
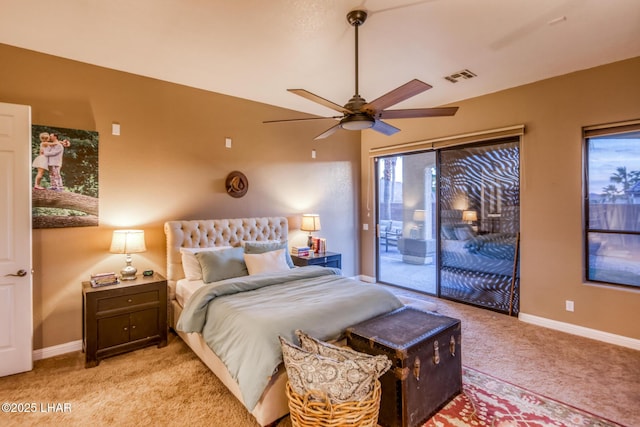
pixel 216 232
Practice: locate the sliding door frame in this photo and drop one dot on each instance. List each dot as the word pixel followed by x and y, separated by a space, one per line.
pixel 514 269
pixel 486 137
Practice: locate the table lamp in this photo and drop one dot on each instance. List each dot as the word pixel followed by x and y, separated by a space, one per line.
pixel 128 242
pixel 470 217
pixel 310 223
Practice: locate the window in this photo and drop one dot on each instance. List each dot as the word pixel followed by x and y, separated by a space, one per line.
pixel 612 203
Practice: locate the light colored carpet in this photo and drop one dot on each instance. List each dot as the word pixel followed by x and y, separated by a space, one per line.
pixel 167 386
pixel 170 386
pixel 597 377
pixel 421 304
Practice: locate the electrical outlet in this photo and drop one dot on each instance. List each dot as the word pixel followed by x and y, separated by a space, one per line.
pixel 365 227
pixel 568 305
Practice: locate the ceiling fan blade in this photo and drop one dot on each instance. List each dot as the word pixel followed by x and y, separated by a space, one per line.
pixel 397 95
pixel 328 132
pixel 384 128
pixel 417 112
pixel 320 100
pixel 300 120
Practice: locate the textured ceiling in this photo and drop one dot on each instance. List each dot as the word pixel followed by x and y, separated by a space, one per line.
pixel 256 49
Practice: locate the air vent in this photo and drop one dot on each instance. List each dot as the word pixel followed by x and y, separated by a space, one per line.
pixel 460 75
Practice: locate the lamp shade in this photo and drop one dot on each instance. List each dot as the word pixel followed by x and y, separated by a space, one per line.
pixel 469 215
pixel 310 222
pixel 418 215
pixel 127 242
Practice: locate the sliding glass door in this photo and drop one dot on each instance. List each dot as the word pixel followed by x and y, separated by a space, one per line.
pixel 406 190
pixel 449 223
pixel 479 209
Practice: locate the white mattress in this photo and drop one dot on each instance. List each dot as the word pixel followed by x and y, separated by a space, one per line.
pixel 185 288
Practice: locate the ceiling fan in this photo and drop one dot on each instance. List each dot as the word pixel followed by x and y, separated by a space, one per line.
pixel 358 114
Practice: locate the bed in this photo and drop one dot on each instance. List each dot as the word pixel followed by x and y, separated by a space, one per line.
pixel 258 299
pixel 478 267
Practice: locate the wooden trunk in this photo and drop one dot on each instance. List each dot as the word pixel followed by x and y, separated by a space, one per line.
pixel 426 373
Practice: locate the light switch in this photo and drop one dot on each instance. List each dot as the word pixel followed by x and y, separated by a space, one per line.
pixel 115 129
pixel 227 142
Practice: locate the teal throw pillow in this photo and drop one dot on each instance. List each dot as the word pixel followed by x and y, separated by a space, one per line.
pixel 220 265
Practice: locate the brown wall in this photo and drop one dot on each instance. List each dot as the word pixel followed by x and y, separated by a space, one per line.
pixel 170 163
pixel 554 111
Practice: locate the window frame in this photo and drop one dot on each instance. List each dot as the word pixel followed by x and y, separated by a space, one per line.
pixel 588 133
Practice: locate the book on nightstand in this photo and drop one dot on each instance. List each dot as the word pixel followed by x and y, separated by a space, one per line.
pixel 300 250
pixel 104 279
pixel 319 245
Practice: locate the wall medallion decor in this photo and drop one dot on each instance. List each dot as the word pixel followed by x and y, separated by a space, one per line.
pixel 236 184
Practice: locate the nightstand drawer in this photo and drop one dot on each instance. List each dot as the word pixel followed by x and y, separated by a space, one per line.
pixel 332 262
pixel 123 301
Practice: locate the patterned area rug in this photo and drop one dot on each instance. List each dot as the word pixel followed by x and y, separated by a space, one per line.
pixel 488 401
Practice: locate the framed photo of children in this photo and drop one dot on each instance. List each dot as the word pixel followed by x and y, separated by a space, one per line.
pixel 65 177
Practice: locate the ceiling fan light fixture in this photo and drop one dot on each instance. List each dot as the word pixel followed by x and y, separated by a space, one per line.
pixel 358 121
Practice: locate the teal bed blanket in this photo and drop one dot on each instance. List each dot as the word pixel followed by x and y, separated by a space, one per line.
pixel 241 318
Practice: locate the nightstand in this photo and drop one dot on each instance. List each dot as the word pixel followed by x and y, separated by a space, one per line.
pixel 326 259
pixel 123 317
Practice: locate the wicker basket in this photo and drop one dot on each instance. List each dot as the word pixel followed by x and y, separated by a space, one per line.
pixel 305 412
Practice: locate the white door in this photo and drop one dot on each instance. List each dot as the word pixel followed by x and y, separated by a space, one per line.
pixel 16 321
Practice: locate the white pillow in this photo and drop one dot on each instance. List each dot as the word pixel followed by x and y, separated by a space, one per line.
pixel 190 264
pixel 262 246
pixel 268 262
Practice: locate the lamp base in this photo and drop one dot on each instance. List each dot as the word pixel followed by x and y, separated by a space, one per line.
pixel 128 273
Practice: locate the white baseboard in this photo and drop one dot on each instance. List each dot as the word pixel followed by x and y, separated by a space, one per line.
pixel 367 279
pixel 56 350
pixel 569 328
pixel 581 331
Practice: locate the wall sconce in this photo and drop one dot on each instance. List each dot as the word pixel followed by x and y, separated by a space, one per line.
pixel 310 223
pixel 128 242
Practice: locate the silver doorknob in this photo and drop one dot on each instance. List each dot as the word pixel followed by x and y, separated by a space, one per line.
pixel 19 273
